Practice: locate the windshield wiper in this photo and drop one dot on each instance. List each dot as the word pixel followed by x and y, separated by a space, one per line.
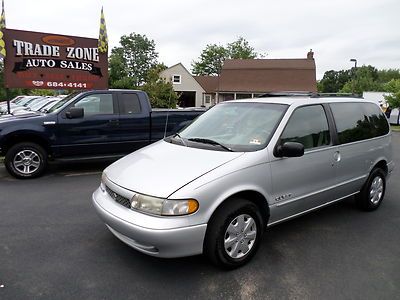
pixel 211 142
pixel 181 138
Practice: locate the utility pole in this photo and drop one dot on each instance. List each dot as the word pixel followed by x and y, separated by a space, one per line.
pixel 354 75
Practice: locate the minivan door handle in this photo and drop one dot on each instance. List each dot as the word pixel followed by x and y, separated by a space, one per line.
pixel 336 156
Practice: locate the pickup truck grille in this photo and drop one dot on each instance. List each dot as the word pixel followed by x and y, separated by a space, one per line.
pixel 118 198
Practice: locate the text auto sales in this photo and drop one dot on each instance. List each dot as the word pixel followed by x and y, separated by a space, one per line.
pixel 23 48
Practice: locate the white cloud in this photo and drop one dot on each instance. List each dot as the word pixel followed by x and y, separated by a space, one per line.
pixel 335 30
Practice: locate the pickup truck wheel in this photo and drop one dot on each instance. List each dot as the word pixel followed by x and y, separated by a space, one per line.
pixel 26 160
pixel 373 191
pixel 233 234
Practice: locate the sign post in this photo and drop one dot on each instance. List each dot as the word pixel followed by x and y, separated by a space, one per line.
pixel 50 61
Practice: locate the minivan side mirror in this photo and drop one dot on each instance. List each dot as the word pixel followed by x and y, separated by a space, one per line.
pixel 290 149
pixel 74 113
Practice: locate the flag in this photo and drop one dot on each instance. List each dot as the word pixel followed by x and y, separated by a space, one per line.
pixel 103 39
pixel 2 27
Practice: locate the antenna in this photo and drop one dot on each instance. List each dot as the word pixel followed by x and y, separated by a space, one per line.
pixel 166 119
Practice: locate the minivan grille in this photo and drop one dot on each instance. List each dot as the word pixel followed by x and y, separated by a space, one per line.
pixel 118 198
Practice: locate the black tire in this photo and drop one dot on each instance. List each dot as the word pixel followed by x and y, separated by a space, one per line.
pixel 376 181
pixel 18 164
pixel 214 244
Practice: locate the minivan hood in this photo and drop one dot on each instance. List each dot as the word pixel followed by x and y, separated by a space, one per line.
pixel 162 168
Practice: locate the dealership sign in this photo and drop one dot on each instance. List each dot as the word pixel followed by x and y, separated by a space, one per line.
pixel 49 61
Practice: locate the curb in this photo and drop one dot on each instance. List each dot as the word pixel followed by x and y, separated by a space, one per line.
pixel 395 129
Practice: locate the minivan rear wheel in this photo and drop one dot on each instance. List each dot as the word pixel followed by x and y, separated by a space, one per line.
pixel 373 191
pixel 233 234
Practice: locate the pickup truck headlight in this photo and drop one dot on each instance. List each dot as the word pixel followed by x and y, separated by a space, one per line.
pixel 163 207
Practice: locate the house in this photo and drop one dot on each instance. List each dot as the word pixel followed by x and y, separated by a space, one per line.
pixel 245 78
pixel 189 90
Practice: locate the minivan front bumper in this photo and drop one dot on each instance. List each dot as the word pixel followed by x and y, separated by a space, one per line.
pixel 171 242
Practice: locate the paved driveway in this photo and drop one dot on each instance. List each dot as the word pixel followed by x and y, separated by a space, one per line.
pixel 53 246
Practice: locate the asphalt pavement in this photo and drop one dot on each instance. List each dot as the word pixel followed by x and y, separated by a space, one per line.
pixel 53 246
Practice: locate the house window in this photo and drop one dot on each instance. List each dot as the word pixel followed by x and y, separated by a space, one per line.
pixel 176 79
pixel 243 96
pixel 207 99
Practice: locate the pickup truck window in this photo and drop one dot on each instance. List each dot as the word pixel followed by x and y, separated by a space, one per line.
pixel 97 104
pixel 129 104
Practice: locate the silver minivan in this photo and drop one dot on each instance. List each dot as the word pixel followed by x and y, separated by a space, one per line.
pixel 241 167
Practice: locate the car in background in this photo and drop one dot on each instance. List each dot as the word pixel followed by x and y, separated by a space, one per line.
pixel 48 106
pixel 18 103
pixel 40 107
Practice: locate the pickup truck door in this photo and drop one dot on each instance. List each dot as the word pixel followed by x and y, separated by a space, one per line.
pixel 134 121
pixel 93 134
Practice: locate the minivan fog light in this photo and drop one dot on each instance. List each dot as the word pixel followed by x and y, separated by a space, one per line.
pixel 164 207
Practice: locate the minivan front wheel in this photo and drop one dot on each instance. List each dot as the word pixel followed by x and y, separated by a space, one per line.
pixel 371 195
pixel 26 160
pixel 233 234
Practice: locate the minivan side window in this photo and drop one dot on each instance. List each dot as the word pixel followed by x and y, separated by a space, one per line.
pixel 308 125
pixel 358 121
pixel 377 120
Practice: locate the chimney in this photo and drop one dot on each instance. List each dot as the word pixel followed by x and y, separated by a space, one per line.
pixel 310 54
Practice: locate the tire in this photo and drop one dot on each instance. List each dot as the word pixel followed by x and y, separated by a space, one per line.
pixel 26 160
pixel 373 191
pixel 231 255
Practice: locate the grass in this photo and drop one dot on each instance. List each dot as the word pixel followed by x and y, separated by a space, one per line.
pixel 393 127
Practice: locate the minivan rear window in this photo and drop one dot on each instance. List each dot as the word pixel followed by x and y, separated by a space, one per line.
pixel 358 121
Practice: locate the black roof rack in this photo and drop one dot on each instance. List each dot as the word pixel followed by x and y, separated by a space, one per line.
pixel 286 94
pixel 308 94
pixel 350 95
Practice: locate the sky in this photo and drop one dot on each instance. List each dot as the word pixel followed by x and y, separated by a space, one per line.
pixel 336 30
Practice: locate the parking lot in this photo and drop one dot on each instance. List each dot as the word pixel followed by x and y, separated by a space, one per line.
pixel 53 246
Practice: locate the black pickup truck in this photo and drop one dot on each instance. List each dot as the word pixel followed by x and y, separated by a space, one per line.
pixel 86 125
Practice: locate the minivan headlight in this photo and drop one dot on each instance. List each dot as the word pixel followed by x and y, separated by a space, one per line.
pixel 163 207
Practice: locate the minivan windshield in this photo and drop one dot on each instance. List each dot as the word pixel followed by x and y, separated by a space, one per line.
pixel 233 126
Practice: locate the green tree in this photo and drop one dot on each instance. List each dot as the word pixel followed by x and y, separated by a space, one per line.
pixel 384 76
pixel 241 49
pixel 393 87
pixel 363 79
pixel 118 74
pixel 333 81
pixel 161 93
pixel 210 61
pixel 11 92
pixel 41 92
pixel 131 62
pixel 213 56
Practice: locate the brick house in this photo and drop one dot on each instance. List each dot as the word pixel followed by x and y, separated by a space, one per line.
pixel 248 78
